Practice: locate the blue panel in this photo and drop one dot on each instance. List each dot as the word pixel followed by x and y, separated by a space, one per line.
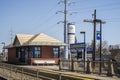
pixel 58 52
pixel 78 46
pixel 98 36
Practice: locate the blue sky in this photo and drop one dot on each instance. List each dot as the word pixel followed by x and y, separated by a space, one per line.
pixel 36 16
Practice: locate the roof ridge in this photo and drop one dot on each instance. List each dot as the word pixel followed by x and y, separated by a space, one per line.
pixel 51 37
pixel 34 36
pixel 19 35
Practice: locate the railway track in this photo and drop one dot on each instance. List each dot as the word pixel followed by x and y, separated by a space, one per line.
pixel 37 74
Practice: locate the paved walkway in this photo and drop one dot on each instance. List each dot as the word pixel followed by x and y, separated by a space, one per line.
pixel 56 69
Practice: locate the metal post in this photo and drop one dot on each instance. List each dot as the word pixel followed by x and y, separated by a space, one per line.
pixel 59 64
pixel 37 74
pixel 60 77
pixel 72 65
pixel 3 68
pixel 101 22
pixel 84 48
pixel 84 52
pixel 10 71
pixel 84 45
pixel 22 74
pixel 100 43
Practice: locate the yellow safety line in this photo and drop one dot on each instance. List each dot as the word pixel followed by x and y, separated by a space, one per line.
pixel 63 74
pixel 77 77
pixel 68 75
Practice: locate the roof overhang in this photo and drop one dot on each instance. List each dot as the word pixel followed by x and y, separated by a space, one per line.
pixel 46 44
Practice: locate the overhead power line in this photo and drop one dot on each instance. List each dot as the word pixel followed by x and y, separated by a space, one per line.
pixel 46 18
pixel 100 6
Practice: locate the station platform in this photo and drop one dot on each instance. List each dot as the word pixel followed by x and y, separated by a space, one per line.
pixel 55 68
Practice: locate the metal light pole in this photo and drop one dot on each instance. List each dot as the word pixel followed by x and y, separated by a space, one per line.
pixel 83 32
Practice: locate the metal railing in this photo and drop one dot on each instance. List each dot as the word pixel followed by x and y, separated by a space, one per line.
pixel 10 72
pixel 109 68
pixel 13 72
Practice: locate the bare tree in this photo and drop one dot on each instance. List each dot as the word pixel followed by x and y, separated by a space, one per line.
pixel 105 47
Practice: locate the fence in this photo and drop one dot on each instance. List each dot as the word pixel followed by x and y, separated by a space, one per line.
pixel 13 72
pixel 109 68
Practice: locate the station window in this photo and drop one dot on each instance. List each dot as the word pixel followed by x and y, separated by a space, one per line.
pixel 36 52
pixel 33 52
pixel 55 51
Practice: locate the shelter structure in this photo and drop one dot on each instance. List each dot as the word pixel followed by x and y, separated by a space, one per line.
pixel 34 49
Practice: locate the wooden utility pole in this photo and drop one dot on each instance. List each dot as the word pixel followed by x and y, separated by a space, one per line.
pixel 94 33
pixel 94 37
pixel 94 40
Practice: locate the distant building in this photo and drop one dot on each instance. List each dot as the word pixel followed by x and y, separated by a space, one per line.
pixel 34 49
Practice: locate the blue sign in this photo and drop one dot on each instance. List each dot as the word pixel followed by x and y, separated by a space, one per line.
pixel 98 35
pixel 77 46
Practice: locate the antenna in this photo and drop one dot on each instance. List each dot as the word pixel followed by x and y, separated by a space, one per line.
pixel 11 35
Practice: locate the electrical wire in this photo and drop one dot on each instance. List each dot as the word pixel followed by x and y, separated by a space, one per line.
pixel 99 6
pixel 48 18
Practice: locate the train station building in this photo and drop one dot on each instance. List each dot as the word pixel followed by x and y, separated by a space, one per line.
pixel 34 49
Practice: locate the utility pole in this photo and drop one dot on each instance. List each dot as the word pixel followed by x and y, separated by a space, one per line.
pixel 94 38
pixel 65 29
pixel 65 26
pixel 94 33
pixel 66 4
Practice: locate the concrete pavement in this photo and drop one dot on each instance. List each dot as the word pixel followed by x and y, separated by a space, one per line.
pixel 56 69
